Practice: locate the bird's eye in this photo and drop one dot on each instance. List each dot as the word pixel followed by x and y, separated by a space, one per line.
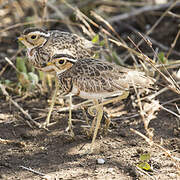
pixel 61 61
pixel 33 37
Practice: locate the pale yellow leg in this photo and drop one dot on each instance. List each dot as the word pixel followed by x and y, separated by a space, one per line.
pixel 99 111
pixel 108 122
pixel 47 121
pixel 98 122
pixel 92 126
pixel 69 128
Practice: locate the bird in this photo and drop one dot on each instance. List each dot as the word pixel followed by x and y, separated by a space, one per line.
pixel 42 45
pixel 96 79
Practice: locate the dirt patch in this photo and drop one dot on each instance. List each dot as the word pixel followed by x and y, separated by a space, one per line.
pixel 56 154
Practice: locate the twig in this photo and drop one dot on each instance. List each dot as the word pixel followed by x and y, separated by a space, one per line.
pixel 122 3
pixel 170 80
pixel 173 44
pixel 5 93
pixel 35 22
pixel 162 46
pixel 171 112
pixel 171 101
pixel 98 17
pixel 9 61
pixel 173 14
pixel 171 5
pixel 144 172
pixel 33 171
pixel 174 159
pixel 140 11
pixel 7 141
pixel 61 15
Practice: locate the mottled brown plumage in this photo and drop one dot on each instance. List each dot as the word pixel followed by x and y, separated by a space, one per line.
pixel 42 45
pixel 94 79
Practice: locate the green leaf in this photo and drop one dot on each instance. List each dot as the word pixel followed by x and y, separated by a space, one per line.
pixel 95 39
pixel 20 65
pixel 162 58
pixel 145 157
pixel 145 166
pixel 102 43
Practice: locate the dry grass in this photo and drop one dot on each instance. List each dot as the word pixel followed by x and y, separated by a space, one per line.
pixel 94 19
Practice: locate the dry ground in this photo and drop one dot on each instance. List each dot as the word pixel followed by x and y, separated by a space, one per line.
pixel 55 154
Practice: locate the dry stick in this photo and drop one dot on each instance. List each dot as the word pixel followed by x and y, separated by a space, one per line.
pixel 170 5
pixel 150 97
pixel 163 47
pixel 9 61
pixel 173 14
pixel 173 44
pixel 155 53
pixel 61 15
pixel 147 59
pixel 177 120
pixel 142 10
pixel 44 6
pixel 35 22
pixel 82 18
pixel 144 172
pixel 98 17
pixel 150 142
pixel 121 3
pixel 142 113
pixel 93 23
pixel 7 141
pixel 3 69
pixel 171 101
pixel 33 171
pixel 171 112
pixel 15 103
pixel 5 93
pixel 159 20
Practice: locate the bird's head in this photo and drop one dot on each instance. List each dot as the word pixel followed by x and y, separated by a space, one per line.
pixel 34 37
pixel 61 62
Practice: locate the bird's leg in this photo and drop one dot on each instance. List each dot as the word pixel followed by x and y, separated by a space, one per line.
pixel 97 105
pixel 92 126
pixel 47 121
pixel 92 113
pixel 123 96
pixel 107 123
pixel 70 118
pixel 98 122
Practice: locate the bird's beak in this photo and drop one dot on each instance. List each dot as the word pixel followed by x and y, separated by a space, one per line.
pixel 20 38
pixel 49 63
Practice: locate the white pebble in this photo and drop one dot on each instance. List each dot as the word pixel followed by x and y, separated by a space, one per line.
pixel 100 161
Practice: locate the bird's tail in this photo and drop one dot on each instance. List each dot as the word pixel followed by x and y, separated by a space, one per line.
pixel 139 79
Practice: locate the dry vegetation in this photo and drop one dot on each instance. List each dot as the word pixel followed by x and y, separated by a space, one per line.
pixel 143 138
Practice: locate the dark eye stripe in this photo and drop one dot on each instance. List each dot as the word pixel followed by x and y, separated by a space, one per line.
pixel 63 55
pixel 29 30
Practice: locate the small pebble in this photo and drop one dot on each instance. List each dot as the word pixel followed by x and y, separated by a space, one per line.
pixel 100 161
